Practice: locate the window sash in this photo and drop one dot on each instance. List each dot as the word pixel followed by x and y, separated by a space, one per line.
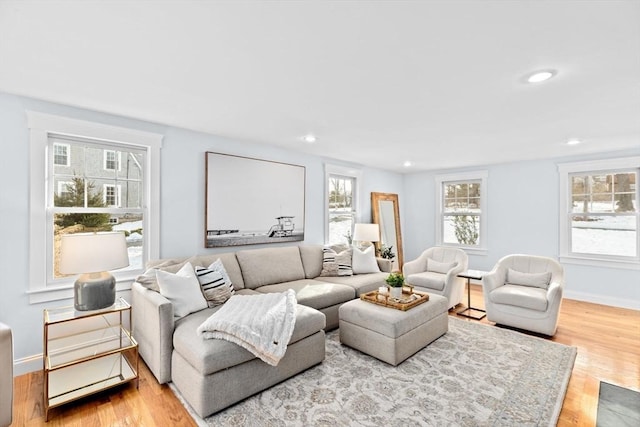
pixel 43 128
pixel 603 236
pixel 461 200
pixel 347 209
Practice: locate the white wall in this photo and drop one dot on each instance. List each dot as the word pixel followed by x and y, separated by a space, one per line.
pixel 522 209
pixel 523 217
pixel 182 204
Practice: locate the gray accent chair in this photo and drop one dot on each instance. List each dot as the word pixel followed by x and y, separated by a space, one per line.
pixel 6 379
pixel 525 292
pixel 426 273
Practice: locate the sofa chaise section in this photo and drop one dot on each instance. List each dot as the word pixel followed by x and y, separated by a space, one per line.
pixel 212 374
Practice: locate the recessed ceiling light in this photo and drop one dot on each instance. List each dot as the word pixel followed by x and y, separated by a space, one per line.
pixel 407 164
pixel 541 76
pixel 573 141
pixel 309 138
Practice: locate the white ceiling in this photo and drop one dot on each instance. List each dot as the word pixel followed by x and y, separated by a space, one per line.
pixel 439 83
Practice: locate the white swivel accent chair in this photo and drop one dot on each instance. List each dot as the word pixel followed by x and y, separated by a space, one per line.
pixel 525 292
pixel 436 270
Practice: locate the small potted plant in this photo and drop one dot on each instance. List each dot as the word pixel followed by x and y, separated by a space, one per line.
pixel 395 281
pixel 386 252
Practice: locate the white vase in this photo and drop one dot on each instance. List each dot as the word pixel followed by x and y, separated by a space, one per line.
pixel 396 292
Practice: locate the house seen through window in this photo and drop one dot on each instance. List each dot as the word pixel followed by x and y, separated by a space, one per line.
pixel 93 198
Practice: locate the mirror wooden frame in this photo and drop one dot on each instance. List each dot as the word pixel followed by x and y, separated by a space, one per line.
pixel 376 198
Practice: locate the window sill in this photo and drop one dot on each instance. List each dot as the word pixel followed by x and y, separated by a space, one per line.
pixel 43 295
pixel 468 249
pixel 599 262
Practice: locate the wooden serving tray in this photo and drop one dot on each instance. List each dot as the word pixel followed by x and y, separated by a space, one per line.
pixel 410 299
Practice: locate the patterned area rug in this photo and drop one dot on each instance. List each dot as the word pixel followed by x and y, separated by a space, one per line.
pixel 475 375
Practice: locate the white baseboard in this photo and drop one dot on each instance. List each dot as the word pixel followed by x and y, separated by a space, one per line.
pixel 27 364
pixel 602 299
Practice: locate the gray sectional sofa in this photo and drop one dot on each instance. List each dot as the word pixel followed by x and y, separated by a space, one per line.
pixel 212 374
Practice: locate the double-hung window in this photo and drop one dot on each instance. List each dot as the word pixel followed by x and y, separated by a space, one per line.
pixel 109 182
pixel 599 215
pixel 341 202
pixel 61 154
pixel 111 159
pixel 461 210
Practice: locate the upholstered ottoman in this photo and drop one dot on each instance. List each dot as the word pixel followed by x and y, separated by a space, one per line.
pixel 392 335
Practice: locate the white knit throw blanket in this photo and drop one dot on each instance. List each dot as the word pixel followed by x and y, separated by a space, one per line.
pixel 262 324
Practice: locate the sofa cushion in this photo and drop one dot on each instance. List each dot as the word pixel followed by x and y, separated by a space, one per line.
pixel 213 355
pixel 313 293
pixel 361 283
pixel 336 263
pixel 311 260
pixel 427 279
pixel 440 267
pixel 537 280
pixel 364 261
pixel 520 296
pixel 261 267
pixel 183 290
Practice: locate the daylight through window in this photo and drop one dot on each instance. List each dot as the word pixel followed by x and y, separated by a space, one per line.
pixel 603 213
pixel 341 209
pixel 462 213
pixel 600 218
pixel 91 198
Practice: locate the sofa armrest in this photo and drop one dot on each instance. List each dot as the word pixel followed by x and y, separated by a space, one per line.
pixel 153 326
pixel 6 379
pixel 384 264
pixel 554 293
pixel 493 280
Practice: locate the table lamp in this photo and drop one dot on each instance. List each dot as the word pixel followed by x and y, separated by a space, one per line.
pixel 366 233
pixel 93 255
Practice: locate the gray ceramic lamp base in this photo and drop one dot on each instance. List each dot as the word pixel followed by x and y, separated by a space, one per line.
pixel 94 291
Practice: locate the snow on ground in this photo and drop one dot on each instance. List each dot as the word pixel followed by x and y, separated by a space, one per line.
pixel 134 244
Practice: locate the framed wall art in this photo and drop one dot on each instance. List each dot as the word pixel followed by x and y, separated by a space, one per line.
pixel 251 201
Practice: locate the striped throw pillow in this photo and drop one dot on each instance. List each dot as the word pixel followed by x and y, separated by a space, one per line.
pixel 336 264
pixel 215 288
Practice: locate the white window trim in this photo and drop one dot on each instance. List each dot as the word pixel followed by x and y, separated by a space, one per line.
pixel 40 127
pixel 481 176
pixel 346 172
pixel 118 189
pixel 68 146
pixel 118 158
pixel 607 165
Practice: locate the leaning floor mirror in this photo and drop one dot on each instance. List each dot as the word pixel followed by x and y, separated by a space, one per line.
pixel 385 213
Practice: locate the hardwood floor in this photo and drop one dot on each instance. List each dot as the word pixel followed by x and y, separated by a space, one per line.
pixel 607 338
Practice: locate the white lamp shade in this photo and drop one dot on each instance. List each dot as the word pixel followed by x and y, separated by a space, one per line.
pixel 92 252
pixel 366 233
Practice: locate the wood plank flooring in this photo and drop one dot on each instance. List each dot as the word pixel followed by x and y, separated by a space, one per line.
pixel 607 338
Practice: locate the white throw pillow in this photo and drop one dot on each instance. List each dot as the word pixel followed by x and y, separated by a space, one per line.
pixel 440 267
pixel 182 289
pixel 364 261
pixel 536 280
